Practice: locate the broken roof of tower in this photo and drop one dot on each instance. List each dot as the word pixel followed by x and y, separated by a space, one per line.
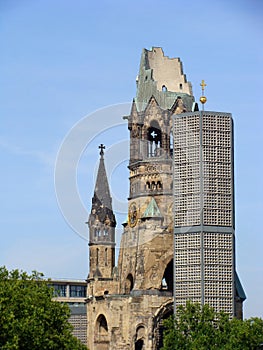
pixel 163 78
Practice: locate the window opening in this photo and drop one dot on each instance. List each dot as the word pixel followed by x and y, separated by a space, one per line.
pixel 128 284
pixel 139 344
pixel 171 143
pixel 97 256
pixel 154 137
pixel 106 256
pixel 167 280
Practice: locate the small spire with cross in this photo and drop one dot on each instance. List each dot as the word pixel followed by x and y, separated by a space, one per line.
pixel 101 147
pixel 203 99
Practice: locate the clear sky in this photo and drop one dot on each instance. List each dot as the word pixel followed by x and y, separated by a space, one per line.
pixel 62 61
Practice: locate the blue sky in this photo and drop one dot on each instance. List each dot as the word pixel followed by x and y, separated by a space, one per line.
pixel 63 60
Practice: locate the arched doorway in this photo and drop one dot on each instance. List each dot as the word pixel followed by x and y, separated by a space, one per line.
pixel 158 327
pixel 139 338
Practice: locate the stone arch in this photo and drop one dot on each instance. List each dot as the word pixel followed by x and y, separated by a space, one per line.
pixel 128 284
pixel 139 338
pixel 167 280
pixel 154 112
pixel 158 329
pixel 101 333
pixel 102 325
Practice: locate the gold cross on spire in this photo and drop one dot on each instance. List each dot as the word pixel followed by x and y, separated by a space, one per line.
pixel 203 84
pixel 203 98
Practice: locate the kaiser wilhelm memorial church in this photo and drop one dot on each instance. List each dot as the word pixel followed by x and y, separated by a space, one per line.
pixel 178 242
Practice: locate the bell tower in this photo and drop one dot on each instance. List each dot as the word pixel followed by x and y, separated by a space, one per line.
pixel 146 255
pixel 102 225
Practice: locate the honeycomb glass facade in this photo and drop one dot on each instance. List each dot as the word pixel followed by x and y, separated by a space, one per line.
pixel 204 209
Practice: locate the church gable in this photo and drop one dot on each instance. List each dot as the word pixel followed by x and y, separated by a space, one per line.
pixel 152 211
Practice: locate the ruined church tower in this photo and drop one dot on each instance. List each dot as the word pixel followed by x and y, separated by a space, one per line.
pixel 146 256
pixel 126 306
pixel 127 303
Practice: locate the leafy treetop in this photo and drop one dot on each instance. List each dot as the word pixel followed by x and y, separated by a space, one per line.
pixel 29 318
pixel 197 327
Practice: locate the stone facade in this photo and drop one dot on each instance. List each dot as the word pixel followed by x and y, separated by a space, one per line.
pixel 127 303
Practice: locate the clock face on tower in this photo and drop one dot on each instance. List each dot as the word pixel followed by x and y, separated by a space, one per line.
pixel 132 215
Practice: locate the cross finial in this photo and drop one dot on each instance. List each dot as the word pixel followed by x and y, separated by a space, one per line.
pixel 203 98
pixel 203 85
pixel 101 147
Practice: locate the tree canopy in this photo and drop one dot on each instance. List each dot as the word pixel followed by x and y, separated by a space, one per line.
pixel 29 318
pixel 200 327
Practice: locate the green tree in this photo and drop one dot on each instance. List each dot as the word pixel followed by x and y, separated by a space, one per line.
pixel 197 327
pixel 29 318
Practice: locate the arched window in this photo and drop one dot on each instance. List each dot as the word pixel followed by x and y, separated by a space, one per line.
pixel 158 330
pixel 101 331
pixel 102 325
pixel 128 284
pixel 164 88
pixel 159 185
pixel 167 280
pixel 97 231
pixel 154 139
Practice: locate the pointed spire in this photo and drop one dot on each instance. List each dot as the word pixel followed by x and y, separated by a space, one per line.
pixel 102 191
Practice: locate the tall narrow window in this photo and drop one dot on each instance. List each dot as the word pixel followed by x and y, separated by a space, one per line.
pixel 106 256
pixel 171 143
pixel 101 331
pixel 128 284
pixel 97 256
